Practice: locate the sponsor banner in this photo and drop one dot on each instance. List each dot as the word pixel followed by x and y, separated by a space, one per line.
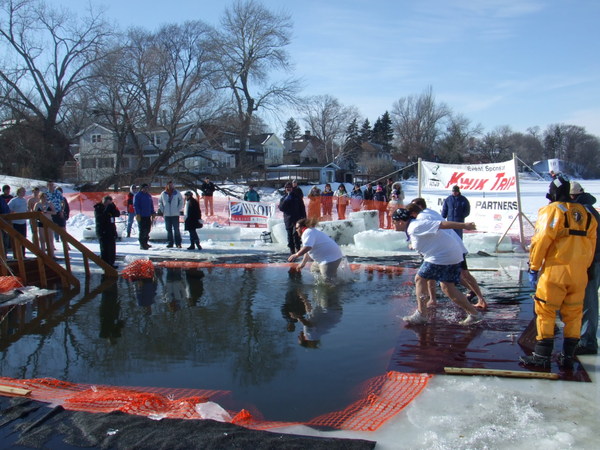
pixel 490 188
pixel 242 212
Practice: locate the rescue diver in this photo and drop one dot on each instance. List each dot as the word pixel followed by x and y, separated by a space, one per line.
pixel 562 249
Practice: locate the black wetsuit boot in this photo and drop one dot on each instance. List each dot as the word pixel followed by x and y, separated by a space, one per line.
pixel 567 358
pixel 540 358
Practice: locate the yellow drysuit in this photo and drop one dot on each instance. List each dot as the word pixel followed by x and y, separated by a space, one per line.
pixel 562 249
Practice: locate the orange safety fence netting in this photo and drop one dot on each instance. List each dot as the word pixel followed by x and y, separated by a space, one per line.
pixel 9 283
pixel 383 397
pixel 370 268
pixel 138 270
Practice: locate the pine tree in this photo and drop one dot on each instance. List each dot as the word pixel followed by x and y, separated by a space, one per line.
pixel 352 146
pixel 383 133
pixel 292 130
pixel 365 131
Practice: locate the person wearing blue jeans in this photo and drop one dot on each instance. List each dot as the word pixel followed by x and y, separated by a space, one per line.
pixel 133 189
pixel 170 204
pixel 144 211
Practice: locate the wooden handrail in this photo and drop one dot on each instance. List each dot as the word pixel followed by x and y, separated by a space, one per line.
pixel 44 259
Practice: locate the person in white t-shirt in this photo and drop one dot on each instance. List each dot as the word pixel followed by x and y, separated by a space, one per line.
pixel 319 247
pixel 442 259
pixel 466 278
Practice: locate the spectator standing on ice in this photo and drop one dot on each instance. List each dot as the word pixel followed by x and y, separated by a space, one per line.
pixel 327 202
pixel 341 201
pixel 456 208
pixel 562 249
pixel 133 189
pixel 170 205
pixel 368 194
pixel 292 207
pixel 442 260
pixel 389 187
pixel 356 197
pixel 47 208
pixel 318 247
pixel 297 189
pixel 314 203
pixel 380 202
pixel 193 219
pixel 6 195
pixel 55 197
pixel 18 204
pixel 588 343
pixel 208 188
pixel 397 189
pixel 65 208
pixel 105 213
pixel 34 199
pixel 5 198
pixel 251 195
pixel 144 212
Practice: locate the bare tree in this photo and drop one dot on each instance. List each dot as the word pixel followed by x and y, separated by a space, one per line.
pixel 250 47
pixel 494 146
pixel 328 120
pixel 157 84
pixel 572 144
pixel 47 54
pixel 417 124
pixel 456 144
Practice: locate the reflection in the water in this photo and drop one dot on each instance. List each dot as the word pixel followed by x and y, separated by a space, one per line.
pixel 110 314
pixel 323 313
pixel 293 308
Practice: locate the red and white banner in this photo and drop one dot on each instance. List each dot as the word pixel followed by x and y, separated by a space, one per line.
pixel 490 188
pixel 241 212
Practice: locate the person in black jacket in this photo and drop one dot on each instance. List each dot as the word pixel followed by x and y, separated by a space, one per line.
pixel 208 189
pixel 292 207
pixel 193 216
pixel 588 343
pixel 105 213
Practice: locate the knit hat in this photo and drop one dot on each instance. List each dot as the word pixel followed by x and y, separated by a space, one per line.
pixel 401 214
pixel 576 188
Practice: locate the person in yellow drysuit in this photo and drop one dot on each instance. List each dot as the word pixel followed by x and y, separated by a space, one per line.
pixel 561 251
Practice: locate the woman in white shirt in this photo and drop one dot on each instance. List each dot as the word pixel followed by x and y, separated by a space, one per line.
pixel 319 247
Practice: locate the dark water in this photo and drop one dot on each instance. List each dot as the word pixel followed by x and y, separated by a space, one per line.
pixel 219 328
pixel 237 330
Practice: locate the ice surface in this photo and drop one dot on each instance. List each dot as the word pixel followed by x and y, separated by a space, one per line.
pixel 219 233
pixel 371 218
pixel 381 240
pixel 487 242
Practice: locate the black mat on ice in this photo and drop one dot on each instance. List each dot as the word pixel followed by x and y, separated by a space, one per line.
pixel 29 424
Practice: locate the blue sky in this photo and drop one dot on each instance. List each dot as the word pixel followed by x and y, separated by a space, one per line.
pixel 519 63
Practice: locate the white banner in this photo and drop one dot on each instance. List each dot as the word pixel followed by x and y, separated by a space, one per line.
pixel 242 212
pixel 490 188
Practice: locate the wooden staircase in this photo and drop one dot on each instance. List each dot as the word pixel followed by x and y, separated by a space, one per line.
pixel 45 267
